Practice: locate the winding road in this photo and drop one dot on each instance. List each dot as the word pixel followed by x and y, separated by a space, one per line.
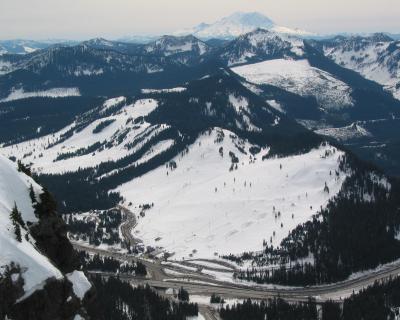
pixel 175 275
pixel 128 225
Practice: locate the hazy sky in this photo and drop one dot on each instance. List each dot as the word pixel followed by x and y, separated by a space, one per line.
pixel 78 19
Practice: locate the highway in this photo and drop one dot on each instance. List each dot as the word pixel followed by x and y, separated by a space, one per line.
pixel 197 283
pixel 184 274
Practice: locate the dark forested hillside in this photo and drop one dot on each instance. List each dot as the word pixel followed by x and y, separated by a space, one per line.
pixel 27 119
pixel 117 300
pixel 378 302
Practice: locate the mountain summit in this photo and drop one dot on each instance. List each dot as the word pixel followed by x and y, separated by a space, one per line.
pixel 237 24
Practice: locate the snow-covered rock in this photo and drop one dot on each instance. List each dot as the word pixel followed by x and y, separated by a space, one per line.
pixel 260 45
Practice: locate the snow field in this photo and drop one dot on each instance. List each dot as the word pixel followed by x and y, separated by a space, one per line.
pixel 297 76
pixel 50 93
pixel 202 209
pixel 80 284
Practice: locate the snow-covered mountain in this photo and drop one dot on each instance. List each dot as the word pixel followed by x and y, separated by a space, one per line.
pixel 376 57
pixel 211 170
pixel 260 45
pixel 215 169
pixel 101 67
pixel 170 45
pixel 237 24
pixel 104 44
pixel 290 73
pixel 23 259
pixel 208 143
pixel 266 58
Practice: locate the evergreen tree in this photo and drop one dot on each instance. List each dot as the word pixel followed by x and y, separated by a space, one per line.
pixel 47 205
pixel 17 230
pixel 16 220
pixel 183 295
pixel 16 216
pixel 32 194
pixel 23 168
pixel 140 269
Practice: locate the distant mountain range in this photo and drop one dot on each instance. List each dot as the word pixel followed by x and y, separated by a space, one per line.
pixel 20 46
pixel 227 28
pixel 325 85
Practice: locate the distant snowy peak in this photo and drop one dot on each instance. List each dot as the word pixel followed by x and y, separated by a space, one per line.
pixel 170 45
pixel 237 24
pixel 260 45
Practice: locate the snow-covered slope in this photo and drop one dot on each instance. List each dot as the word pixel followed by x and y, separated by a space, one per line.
pixel 299 77
pixel 376 57
pixel 108 144
pixel 237 24
pixel 121 133
pixel 14 189
pixel 203 208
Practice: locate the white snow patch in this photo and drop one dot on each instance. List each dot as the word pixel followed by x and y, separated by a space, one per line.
pixel 238 103
pixel 178 89
pixel 50 93
pixel 80 284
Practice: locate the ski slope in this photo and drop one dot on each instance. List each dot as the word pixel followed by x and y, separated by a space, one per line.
pixel 44 152
pixel 297 76
pixel 202 209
